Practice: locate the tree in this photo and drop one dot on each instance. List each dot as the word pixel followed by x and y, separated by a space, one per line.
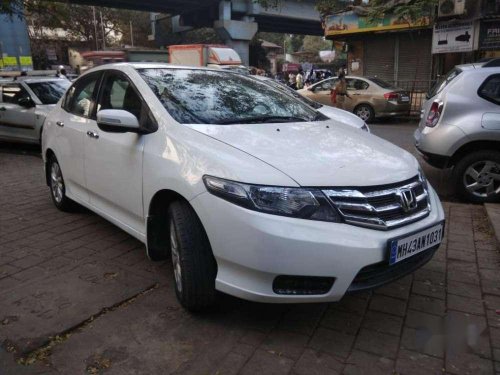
pixel 313 43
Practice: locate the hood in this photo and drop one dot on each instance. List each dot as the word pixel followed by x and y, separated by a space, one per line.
pixel 342 116
pixel 324 153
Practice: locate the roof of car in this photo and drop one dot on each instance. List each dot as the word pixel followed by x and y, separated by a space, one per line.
pixel 29 79
pixel 152 65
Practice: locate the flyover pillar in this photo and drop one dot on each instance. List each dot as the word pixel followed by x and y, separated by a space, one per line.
pixel 236 34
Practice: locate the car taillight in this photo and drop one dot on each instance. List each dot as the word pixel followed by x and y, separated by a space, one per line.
pixel 391 95
pixel 434 114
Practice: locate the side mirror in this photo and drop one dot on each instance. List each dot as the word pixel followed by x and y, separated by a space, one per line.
pixel 117 121
pixel 26 102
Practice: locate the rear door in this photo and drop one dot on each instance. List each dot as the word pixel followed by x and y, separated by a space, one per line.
pixel 72 124
pixel 358 91
pixel 16 122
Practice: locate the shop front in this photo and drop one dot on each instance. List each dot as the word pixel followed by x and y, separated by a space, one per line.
pixel 489 38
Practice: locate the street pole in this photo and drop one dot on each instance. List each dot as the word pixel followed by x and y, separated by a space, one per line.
pixel 95 29
pixel 103 34
pixel 131 34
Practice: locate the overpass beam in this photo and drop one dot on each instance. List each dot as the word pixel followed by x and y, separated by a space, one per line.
pixel 235 34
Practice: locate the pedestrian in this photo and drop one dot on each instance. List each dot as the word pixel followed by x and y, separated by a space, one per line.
pixel 299 80
pixel 61 72
pixel 339 92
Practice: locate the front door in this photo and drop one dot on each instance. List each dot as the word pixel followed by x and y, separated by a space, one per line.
pixel 16 122
pixel 113 161
pixel 321 92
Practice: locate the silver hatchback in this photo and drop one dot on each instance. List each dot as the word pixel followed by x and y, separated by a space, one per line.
pixel 460 128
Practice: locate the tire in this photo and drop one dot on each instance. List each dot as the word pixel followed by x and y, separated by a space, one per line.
pixel 57 187
pixel 194 266
pixel 477 176
pixel 365 112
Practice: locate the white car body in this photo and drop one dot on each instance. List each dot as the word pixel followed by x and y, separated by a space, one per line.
pixel 24 124
pixel 118 176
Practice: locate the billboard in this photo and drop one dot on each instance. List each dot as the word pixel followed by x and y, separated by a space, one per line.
pixel 351 23
pixel 453 37
pixel 489 35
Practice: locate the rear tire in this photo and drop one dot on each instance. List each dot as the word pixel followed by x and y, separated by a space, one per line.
pixel 58 188
pixel 194 266
pixel 477 176
pixel 365 112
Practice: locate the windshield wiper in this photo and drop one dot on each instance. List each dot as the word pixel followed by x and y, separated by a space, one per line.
pixel 261 119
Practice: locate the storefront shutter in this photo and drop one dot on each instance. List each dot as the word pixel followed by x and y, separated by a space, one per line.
pixel 379 56
pixel 415 56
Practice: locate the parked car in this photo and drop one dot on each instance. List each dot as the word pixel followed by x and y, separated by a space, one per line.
pixel 460 128
pixel 24 104
pixel 330 112
pixel 370 97
pixel 249 191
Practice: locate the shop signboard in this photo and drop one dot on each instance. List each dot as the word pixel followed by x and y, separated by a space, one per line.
pixel 453 37
pixel 489 35
pixel 351 23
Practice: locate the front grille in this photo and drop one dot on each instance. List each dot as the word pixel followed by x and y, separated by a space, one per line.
pixel 382 273
pixel 382 207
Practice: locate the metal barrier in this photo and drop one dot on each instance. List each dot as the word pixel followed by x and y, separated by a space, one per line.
pixel 417 90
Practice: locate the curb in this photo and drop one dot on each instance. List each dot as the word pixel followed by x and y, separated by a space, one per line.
pixel 493 212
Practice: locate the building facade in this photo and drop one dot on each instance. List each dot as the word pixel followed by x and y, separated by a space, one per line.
pixel 15 52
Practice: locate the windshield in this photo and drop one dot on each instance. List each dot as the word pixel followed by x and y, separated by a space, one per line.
pixel 49 92
pixel 194 96
pixel 443 82
pixel 383 84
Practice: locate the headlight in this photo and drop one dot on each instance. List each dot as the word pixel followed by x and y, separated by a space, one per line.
pixel 365 128
pixel 285 201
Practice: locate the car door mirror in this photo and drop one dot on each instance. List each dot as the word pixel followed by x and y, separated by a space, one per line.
pixel 26 102
pixel 118 121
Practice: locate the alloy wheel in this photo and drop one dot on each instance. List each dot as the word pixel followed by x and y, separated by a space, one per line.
pixel 176 261
pixel 363 113
pixel 56 182
pixel 482 179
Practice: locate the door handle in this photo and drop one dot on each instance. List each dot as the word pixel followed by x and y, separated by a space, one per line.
pixel 60 123
pixel 92 134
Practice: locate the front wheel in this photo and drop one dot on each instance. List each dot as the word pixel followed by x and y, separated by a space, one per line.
pixel 193 263
pixel 365 112
pixel 477 176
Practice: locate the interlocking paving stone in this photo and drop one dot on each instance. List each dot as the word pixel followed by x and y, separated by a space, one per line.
pixel 379 343
pixel 360 363
pixel 313 362
pixel 332 342
pixel 385 323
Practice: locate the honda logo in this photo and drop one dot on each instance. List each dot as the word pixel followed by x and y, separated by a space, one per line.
pixel 407 199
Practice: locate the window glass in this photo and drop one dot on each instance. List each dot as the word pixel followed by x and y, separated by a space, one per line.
pixel 212 97
pixel 118 93
pixel 490 89
pixel 49 92
pixel 325 86
pixel 443 82
pixel 383 84
pixel 80 96
pixel 11 93
pixel 356 84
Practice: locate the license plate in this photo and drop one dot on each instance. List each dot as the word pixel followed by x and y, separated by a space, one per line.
pixel 408 246
pixel 405 99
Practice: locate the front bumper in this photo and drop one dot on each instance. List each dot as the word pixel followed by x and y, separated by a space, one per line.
pixel 253 248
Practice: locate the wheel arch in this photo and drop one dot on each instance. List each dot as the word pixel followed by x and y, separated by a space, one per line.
pixel 157 236
pixel 471 147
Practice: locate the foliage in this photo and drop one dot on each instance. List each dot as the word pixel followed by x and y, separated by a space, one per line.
pixel 313 43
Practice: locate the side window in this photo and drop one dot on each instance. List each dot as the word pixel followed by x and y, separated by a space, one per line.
pixel 118 93
pixel 11 93
pixel 490 89
pixel 325 86
pixel 80 96
pixel 356 84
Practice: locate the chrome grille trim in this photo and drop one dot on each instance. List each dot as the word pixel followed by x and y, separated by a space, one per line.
pixel 381 207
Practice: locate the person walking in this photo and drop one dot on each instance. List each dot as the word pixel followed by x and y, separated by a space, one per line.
pixel 299 80
pixel 339 92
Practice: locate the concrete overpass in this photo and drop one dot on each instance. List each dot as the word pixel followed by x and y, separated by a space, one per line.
pixel 235 21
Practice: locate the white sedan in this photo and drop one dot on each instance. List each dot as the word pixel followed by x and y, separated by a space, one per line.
pixel 250 191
